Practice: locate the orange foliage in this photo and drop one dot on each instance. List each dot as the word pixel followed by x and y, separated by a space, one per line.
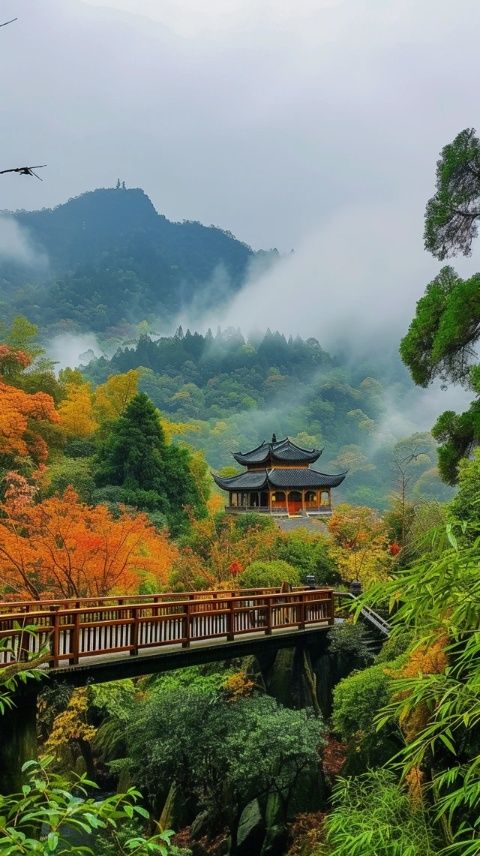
pixel 21 418
pixel 414 779
pixel 12 361
pixel 238 686
pixel 422 661
pixel 62 547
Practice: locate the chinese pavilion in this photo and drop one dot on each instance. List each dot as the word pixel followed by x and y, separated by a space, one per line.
pixel 278 479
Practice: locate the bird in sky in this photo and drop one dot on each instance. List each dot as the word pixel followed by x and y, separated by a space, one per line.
pixel 25 170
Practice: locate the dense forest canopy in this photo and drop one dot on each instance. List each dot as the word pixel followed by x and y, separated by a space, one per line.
pixel 231 392
pixel 107 258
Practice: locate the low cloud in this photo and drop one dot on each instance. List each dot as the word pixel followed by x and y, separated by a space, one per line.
pixel 70 350
pixel 17 247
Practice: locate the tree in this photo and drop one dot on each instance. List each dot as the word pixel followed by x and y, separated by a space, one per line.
pixel 76 411
pixel 61 547
pixel 112 397
pixel 452 213
pixel 23 420
pixel 152 474
pixel 222 750
pixel 466 504
pixel 443 335
pixel 361 542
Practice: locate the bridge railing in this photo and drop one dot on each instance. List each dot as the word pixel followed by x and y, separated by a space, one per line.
pixel 109 630
pixel 16 606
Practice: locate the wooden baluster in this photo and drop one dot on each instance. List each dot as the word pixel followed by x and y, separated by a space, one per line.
pixel 134 632
pixel 55 637
pixel 186 628
pixel 231 620
pixel 23 650
pixel 75 640
pixel 269 616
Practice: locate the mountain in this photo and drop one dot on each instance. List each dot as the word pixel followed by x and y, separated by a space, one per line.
pixel 112 259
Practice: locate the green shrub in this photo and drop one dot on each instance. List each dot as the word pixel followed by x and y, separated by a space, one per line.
pixel 264 574
pixel 356 701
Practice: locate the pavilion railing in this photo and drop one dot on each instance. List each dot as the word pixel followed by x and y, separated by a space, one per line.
pixel 108 627
pixel 279 509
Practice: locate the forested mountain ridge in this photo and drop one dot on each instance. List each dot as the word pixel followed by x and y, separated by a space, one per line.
pixel 112 259
pixel 231 393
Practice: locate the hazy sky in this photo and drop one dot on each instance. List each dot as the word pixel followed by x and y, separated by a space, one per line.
pixel 312 124
pixel 267 118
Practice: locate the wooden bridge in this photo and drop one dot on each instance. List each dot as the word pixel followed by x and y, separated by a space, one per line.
pixel 93 637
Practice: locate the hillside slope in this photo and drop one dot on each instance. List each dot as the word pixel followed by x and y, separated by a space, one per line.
pixel 112 259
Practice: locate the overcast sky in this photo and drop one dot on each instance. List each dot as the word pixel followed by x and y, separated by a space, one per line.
pixel 266 118
pixel 306 124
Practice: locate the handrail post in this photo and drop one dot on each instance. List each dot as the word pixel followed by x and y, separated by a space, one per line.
pixel 303 612
pixel 134 632
pixel 231 620
pixel 55 638
pixel 75 640
pixel 331 608
pixel 186 619
pixel 269 622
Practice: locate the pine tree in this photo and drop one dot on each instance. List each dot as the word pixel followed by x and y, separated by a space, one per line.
pixel 152 474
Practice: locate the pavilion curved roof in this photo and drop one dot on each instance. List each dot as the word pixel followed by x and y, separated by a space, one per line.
pixel 278 450
pixel 279 478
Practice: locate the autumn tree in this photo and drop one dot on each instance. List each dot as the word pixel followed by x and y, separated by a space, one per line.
pixel 76 412
pixel 361 543
pixel 62 547
pixel 112 397
pixel 24 421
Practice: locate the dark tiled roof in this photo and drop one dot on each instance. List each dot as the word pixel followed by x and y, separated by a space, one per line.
pixel 255 480
pixel 303 477
pixel 279 478
pixel 280 450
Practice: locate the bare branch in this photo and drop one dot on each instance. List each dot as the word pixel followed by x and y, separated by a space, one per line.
pixel 5 24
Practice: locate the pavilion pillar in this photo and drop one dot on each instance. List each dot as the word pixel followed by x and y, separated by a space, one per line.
pixel 303 500
pixel 269 500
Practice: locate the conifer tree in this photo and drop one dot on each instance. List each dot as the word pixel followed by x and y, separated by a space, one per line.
pixel 152 474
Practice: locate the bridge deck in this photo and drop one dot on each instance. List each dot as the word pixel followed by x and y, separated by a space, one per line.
pixel 169 657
